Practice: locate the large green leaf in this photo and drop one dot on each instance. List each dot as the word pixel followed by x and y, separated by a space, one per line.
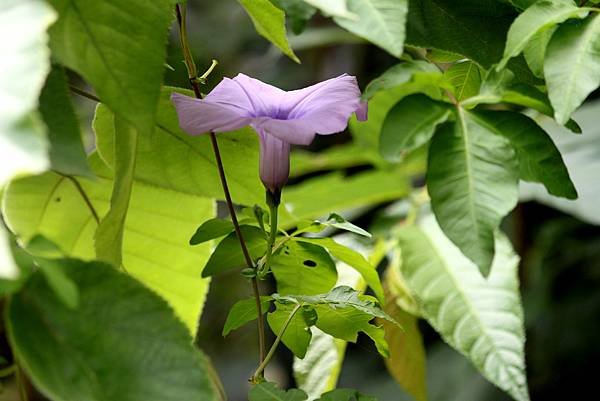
pixel 335 8
pixel 475 30
pixel 269 22
pixel 169 158
pixel 121 342
pixel 398 75
pixel 303 268
pixel 24 65
pixel 581 154
pixel 267 391
pixel 67 154
pixel 539 160
pixel 540 16
pixel 119 47
pixel 535 50
pixel 8 266
pixel 158 226
pixel 379 21
pixel 572 65
pixel 410 124
pixel 109 234
pixel 481 318
pixel 472 179
pixel 297 335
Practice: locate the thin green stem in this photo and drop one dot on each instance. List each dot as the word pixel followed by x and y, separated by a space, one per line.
pixel 259 371
pixel 191 67
pixel 273 210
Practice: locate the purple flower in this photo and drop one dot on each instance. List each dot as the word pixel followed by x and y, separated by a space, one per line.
pixel 280 118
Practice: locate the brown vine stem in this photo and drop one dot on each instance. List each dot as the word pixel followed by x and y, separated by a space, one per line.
pixel 213 139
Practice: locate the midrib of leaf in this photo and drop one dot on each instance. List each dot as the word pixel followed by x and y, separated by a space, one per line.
pixel 476 316
pixel 585 41
pixel 468 162
pixel 94 42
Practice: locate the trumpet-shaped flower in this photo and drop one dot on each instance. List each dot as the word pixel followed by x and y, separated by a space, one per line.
pixel 280 118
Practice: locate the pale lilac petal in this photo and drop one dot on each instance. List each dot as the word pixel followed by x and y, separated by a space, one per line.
pixel 197 116
pixel 274 161
pixel 362 112
pixel 266 100
pixel 296 132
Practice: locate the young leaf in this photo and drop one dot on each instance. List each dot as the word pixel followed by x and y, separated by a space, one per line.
pixel 24 65
pixel 120 48
pixel 244 311
pixel 398 75
pixel 380 22
pixel 334 8
pixel 353 259
pixel 158 226
pixel 269 22
pixel 303 268
pixel 267 391
pixel 211 229
pixel 109 234
pixel 465 76
pixel 228 254
pixel 410 124
pixel 67 154
pixel 540 16
pixel 64 351
pixel 578 44
pixel 535 50
pixel 297 335
pixel 472 179
pixel 334 220
pixel 539 159
pixel 481 318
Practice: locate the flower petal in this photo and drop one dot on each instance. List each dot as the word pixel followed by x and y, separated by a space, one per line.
pixel 197 116
pixel 328 104
pixel 266 100
pixel 295 132
pixel 274 161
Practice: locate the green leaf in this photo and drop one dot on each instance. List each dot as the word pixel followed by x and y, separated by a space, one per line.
pixel 24 65
pixel 109 234
pixel 228 254
pixel 398 75
pixel 481 318
pixel 476 30
pixel 297 334
pixel 211 229
pixel 170 159
pixel 581 154
pixel 303 268
pixel 298 12
pixel 8 266
pixel 539 159
pixel 410 124
pixel 319 196
pixel 244 311
pixel 64 288
pixel 346 394
pixel 406 363
pixel 572 65
pixel 353 259
pixel 266 391
pixel 342 313
pixel 500 87
pixel 94 352
pixel 120 48
pixel 535 50
pixel 334 220
pixel 379 21
pixel 269 22
pixel 465 76
pixel 67 154
pixel 472 178
pixel 158 225
pixel 540 16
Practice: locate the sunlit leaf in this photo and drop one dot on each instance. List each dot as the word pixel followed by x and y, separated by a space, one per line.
pixel 211 229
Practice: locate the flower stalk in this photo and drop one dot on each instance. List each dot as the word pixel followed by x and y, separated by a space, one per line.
pixel 191 67
pixel 273 200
